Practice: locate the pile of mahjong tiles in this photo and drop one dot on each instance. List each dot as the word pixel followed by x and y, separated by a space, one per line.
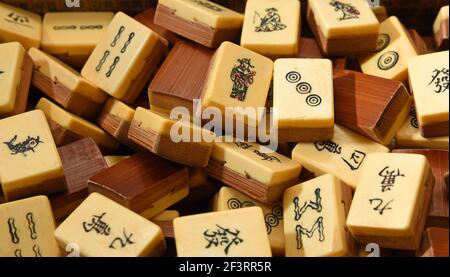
pixel 191 129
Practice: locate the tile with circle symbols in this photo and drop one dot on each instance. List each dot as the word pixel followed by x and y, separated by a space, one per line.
pixel 304 99
pixel 272 27
pixel 314 214
pixel 229 199
pixel 126 52
pixel 232 233
pixel 428 78
pixel 27 227
pixel 20 25
pixel 390 204
pixel 394 49
pixel 29 161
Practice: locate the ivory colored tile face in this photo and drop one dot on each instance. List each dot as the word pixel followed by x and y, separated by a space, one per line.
pixel 409 135
pixel 390 204
pixel 272 27
pixel 58 71
pixel 304 99
pixel 252 169
pixel 73 33
pixel 127 49
pixel 234 233
pixel 76 124
pixel 314 218
pixel 238 78
pixel 342 156
pixel 428 77
pixel 27 229
pixel 202 21
pixel 12 56
pixel 20 25
pixel 229 199
pixel 29 161
pixel 394 49
pixel 343 18
pixel 343 27
pixel 102 228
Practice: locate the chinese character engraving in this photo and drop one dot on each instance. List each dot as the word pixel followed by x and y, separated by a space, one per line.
pixel 242 76
pixel 380 208
pixel 123 241
pixel 389 177
pixel 243 145
pixel 356 159
pixel 222 237
pixel 440 80
pixel 1 72
pixel 318 224
pixel 98 225
pixel 266 157
pixel 23 147
pixel 31 226
pixel 348 11
pixel 328 145
pixel 270 22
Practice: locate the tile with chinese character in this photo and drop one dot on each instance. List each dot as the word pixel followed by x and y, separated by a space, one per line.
pixel 229 199
pixel 233 233
pixel 101 227
pixel 342 156
pixel 428 78
pixel 390 204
